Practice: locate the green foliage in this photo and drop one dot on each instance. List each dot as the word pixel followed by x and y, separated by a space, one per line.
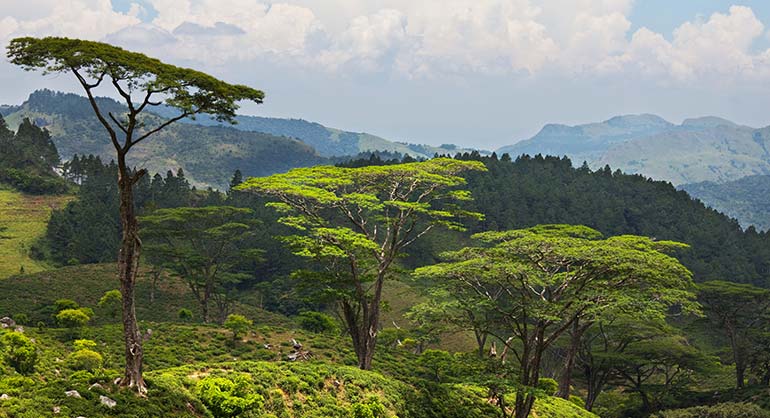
pixel 228 398
pixel 21 319
pixel 111 303
pixel 185 314
pixel 745 199
pixel 723 410
pixel 237 324
pixel 548 385
pixel 370 409
pixel 18 352
pixel 28 159
pixel 437 362
pixel 84 344
pixel 85 359
pixel 62 304
pixel 317 322
pixel 73 318
pixel 207 247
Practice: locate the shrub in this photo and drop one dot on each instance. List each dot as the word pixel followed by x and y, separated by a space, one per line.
pixel 436 361
pixel 111 303
pixel 548 385
pixel 723 410
pixel 63 304
pixel 85 359
pixel 371 409
pixel 577 400
pixel 19 352
pixel 73 318
pixel 228 398
pixel 21 319
pixel 84 344
pixel 317 322
pixel 238 324
pixel 185 314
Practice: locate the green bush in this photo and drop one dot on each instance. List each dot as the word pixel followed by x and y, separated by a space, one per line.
pixel 85 359
pixel 19 352
pixel 238 324
pixel 63 304
pixel 723 410
pixel 548 385
pixel 185 314
pixel 84 344
pixel 437 362
pixel 111 303
pixel 317 322
pixel 73 318
pixel 371 409
pixel 228 398
pixel 21 319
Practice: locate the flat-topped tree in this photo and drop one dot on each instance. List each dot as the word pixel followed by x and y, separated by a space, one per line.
pixel 357 221
pixel 153 83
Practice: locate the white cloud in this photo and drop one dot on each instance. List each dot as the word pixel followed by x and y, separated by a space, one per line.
pixel 413 38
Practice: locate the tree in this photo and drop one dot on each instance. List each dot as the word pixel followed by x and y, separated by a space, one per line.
pixel 739 310
pixel 110 303
pixel 238 324
pixel 536 282
pixel 205 247
pixel 357 221
pixel 189 91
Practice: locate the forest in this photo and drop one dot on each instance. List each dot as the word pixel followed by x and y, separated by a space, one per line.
pixel 383 285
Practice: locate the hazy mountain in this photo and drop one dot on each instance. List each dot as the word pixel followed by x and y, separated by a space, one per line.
pixel 208 154
pixel 746 199
pixel 700 149
pixel 329 142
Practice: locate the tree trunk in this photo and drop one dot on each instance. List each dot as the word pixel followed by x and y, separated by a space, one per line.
pixel 128 264
pixel 481 341
pixel 565 380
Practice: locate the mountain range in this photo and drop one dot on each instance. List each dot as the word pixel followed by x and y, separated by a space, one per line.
pixel 746 199
pixel 701 149
pixel 208 151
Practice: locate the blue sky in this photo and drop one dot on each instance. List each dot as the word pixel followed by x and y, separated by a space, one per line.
pixel 479 73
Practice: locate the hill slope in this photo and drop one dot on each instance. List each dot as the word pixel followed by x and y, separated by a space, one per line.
pixel 208 154
pixel 329 142
pixel 746 199
pixel 700 149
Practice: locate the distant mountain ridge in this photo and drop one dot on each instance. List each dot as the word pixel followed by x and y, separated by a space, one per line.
pixel 329 142
pixel 700 149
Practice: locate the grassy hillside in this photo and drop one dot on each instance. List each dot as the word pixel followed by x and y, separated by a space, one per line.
pixel 208 154
pixel 25 217
pixel 179 356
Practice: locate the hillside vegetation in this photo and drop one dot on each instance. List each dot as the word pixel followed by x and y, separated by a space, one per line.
pixel 746 199
pixel 209 154
pixel 23 219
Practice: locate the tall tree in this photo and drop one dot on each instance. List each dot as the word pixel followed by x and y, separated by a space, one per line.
pixel 205 247
pixel 537 282
pixel 142 82
pixel 357 221
pixel 740 311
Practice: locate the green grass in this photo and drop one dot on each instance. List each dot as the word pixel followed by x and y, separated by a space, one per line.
pixel 26 217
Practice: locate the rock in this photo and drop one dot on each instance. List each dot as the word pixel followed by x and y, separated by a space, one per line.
pixel 4 396
pixel 6 322
pixel 72 394
pixel 56 409
pixel 95 386
pixel 117 381
pixel 109 403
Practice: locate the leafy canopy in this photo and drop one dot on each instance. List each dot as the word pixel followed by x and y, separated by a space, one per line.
pixel 188 90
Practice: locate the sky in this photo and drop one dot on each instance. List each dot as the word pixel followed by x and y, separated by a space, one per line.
pixel 481 73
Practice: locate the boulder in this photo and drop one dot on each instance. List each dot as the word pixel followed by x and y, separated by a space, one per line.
pixel 109 403
pixel 95 386
pixel 6 322
pixel 4 396
pixel 72 394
